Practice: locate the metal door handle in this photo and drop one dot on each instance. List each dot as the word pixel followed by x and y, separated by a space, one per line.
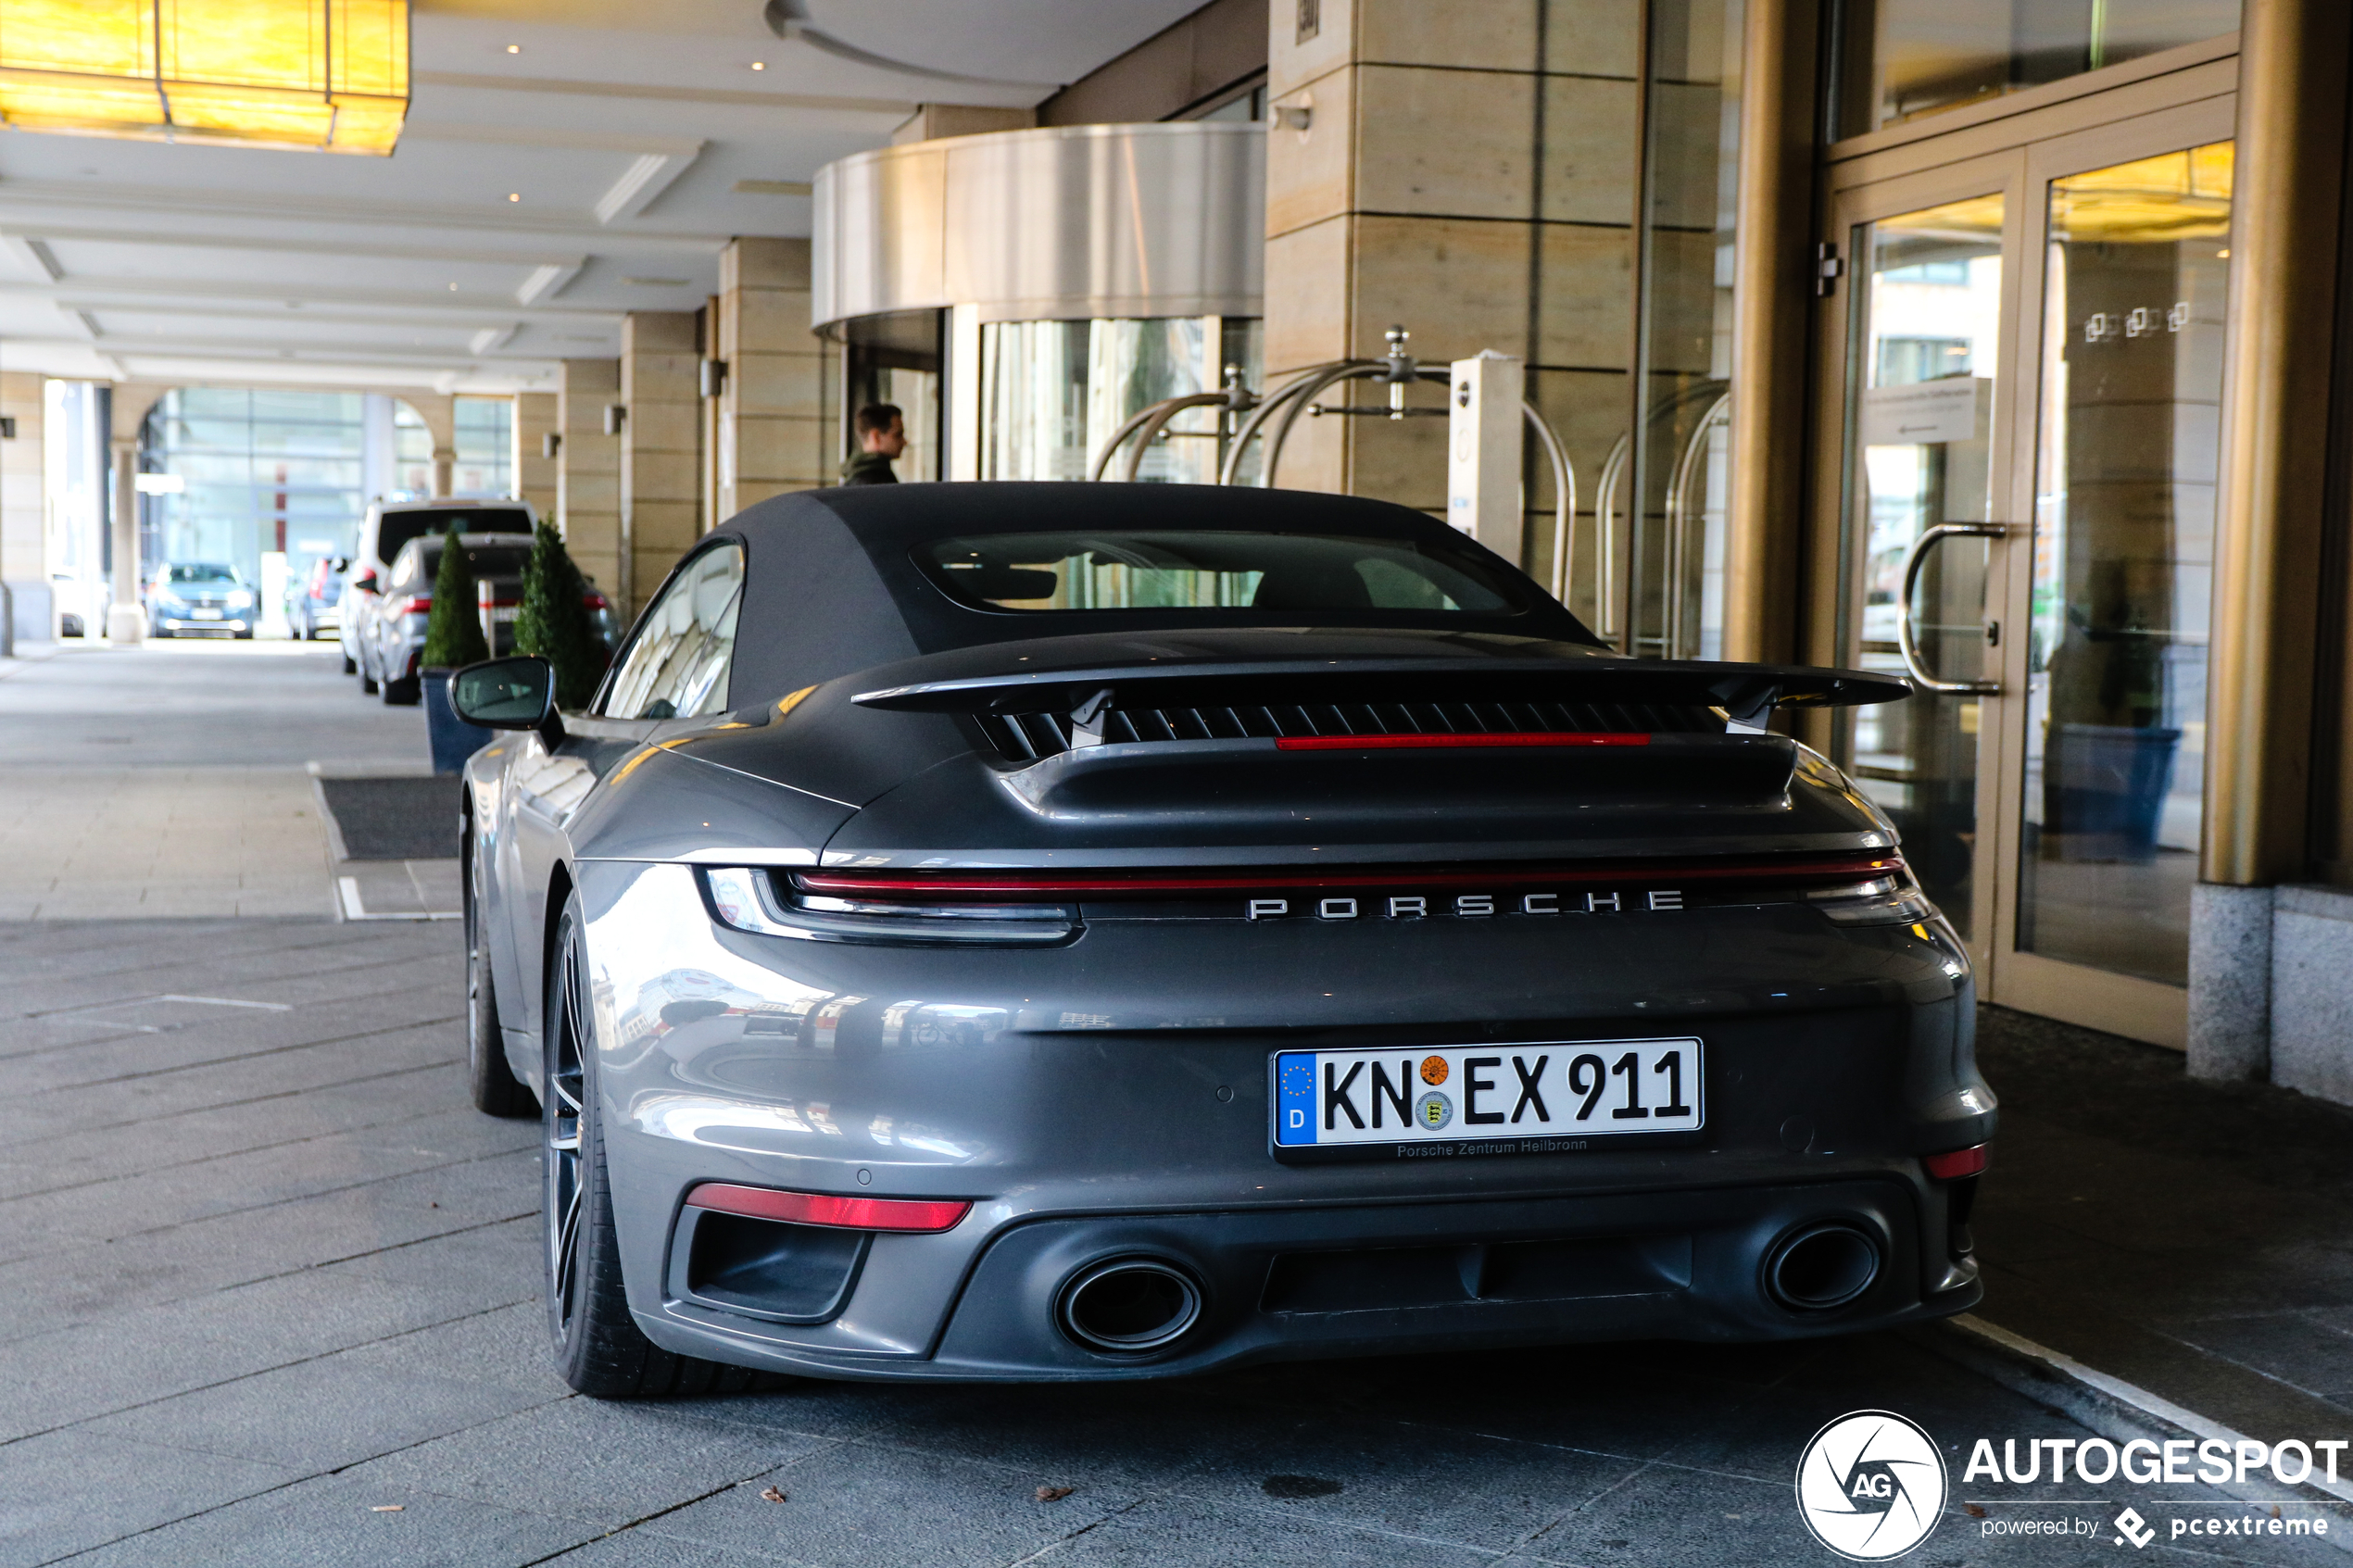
pixel 1906 640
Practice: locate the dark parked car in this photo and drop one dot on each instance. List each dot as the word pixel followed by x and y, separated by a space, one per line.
pixel 1076 931
pixel 200 597
pixel 395 635
pixel 383 529
pixel 394 640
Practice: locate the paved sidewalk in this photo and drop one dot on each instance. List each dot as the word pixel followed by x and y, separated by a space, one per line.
pixel 268 1295
pixel 2194 1238
pixel 170 781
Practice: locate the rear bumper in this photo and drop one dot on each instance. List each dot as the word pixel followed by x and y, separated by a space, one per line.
pixel 1279 1284
pixel 1111 1098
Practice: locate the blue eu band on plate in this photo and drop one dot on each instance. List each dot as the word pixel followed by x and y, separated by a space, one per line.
pixel 1545 1090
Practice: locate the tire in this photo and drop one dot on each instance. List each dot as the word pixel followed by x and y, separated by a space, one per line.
pixel 489 1081
pixel 350 666
pixel 367 684
pixel 405 693
pixel 599 1349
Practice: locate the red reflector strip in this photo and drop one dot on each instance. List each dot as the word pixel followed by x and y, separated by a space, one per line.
pixel 824 1208
pixel 1150 882
pixel 1958 1163
pixel 1418 743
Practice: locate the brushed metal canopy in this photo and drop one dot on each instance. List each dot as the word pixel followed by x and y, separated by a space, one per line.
pixel 1062 223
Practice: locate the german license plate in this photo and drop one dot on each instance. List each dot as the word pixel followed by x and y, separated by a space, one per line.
pixel 1538 1098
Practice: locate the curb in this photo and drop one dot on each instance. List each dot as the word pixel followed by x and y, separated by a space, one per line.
pixel 2115 1409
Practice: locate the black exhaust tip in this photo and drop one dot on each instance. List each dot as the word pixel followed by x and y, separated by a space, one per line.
pixel 1819 1267
pixel 1129 1305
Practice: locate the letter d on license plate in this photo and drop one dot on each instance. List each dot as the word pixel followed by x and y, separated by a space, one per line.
pixel 1545 1091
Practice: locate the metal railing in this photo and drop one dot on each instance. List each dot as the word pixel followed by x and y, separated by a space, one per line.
pixel 1288 403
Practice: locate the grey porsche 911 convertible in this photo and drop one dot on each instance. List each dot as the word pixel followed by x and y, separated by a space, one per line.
pixel 1058 932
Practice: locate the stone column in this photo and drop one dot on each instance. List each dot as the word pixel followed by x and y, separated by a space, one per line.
pixel 775 426
pixel 660 455
pixel 1511 231
pixel 126 620
pixel 535 473
pixel 1772 295
pixel 588 473
pixel 439 412
pixel 24 533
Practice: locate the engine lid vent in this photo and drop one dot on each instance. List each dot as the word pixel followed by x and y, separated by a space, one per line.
pixel 1025 737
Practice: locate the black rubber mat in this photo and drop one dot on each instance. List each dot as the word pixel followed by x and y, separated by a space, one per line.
pixel 396 819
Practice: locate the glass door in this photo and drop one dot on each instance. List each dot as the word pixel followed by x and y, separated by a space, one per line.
pixel 1928 329
pixel 2126 429
pixel 2028 437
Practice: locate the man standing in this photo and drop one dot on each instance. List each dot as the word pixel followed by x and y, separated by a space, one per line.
pixel 882 436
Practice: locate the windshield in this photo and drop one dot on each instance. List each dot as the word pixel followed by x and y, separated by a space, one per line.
pixel 1214 571
pixel 199 572
pixel 396 528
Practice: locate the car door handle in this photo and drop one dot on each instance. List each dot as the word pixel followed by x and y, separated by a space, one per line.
pixel 1906 637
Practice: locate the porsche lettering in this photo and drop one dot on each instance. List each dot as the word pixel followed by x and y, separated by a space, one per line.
pixel 1469 906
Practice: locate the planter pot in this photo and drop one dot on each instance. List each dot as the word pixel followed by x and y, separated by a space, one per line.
pixel 454 740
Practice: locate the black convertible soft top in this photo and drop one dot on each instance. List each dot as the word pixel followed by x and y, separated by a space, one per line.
pixel 831 585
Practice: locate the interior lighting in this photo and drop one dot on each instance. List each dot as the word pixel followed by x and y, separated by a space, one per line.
pixel 514 48
pixel 514 196
pixel 326 75
pixel 760 65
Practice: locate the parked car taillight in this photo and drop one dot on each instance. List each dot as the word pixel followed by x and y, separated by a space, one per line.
pixel 415 604
pixel 1891 898
pixel 760 901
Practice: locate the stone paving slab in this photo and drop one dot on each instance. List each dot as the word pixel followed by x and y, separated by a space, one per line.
pixel 251 1297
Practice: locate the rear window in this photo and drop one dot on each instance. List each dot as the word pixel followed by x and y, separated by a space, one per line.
pixel 396 528
pixel 1306 572
pixel 423 563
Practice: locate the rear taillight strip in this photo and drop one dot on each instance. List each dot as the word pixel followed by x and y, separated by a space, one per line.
pixel 1152 881
pixel 825 1209
pixel 1429 742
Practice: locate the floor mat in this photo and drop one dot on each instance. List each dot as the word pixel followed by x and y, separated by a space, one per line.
pixel 410 818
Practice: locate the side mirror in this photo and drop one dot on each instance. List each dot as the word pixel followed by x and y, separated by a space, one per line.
pixel 365 582
pixel 507 693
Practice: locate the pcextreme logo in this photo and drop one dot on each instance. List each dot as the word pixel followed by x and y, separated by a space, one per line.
pixel 1871 1486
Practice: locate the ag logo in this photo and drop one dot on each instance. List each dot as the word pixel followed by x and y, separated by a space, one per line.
pixel 1871 1486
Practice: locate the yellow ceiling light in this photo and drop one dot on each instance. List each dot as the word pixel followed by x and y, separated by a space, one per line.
pixel 330 75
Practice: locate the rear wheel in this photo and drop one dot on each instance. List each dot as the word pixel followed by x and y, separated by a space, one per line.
pixel 599 1349
pixel 350 666
pixel 404 692
pixel 489 1079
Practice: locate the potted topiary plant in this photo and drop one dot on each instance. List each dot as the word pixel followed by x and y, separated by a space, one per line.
pixel 453 640
pixel 554 621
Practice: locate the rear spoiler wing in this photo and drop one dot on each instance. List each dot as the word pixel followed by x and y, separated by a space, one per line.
pixel 1746 693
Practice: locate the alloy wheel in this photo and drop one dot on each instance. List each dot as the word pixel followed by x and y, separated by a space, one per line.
pixel 566 1093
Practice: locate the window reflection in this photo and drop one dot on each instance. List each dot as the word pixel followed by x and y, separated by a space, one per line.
pixel 1053 391
pixel 1905 58
pixel 1932 304
pixel 2127 442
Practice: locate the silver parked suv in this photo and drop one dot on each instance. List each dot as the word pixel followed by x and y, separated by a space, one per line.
pixel 388 526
